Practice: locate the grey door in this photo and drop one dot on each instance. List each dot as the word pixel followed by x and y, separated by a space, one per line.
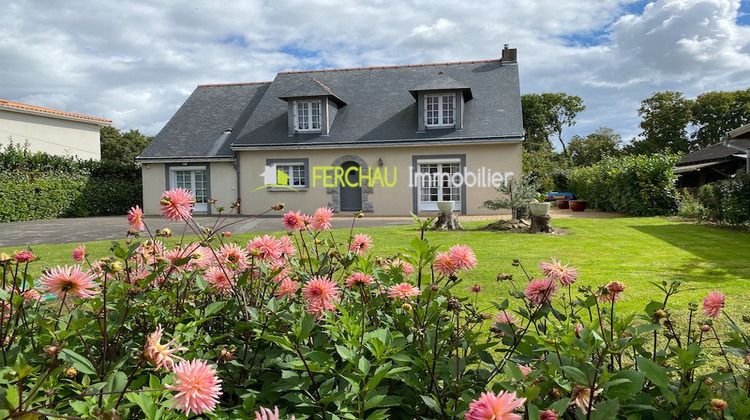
pixel 351 196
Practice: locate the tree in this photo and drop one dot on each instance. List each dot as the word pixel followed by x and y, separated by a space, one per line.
pixel 716 113
pixel 585 151
pixel 665 117
pixel 119 147
pixel 548 113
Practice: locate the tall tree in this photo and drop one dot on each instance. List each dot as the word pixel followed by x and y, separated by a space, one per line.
pixel 665 117
pixel 585 151
pixel 715 113
pixel 122 147
pixel 549 113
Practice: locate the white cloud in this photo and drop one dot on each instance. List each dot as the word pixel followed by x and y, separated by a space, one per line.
pixel 136 62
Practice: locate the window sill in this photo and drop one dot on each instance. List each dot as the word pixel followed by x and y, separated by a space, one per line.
pixel 434 127
pixel 289 189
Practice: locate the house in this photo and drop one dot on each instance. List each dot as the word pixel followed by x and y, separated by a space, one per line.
pixel 716 162
pixel 50 131
pixel 385 140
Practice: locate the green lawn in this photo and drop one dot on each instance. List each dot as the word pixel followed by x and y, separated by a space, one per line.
pixel 634 251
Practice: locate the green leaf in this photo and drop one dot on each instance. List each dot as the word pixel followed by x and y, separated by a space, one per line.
pixel 79 362
pixel 363 365
pixel 625 384
pixel 200 282
pixel 378 414
pixel 654 372
pixel 431 403
pixel 575 374
pixel 214 307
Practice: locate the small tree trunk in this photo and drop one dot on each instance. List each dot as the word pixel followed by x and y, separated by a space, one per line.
pixel 447 221
pixel 540 224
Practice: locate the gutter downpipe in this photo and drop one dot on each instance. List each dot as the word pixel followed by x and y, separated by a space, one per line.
pixel 236 165
pixel 726 139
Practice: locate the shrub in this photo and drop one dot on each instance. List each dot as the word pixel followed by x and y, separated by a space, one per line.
pixel 727 201
pixel 319 328
pixel 637 185
pixel 689 206
pixel 40 186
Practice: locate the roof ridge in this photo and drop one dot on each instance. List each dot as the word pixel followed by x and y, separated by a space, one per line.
pixel 19 105
pixel 390 67
pixel 234 84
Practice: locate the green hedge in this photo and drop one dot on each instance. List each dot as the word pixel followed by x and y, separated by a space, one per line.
pixel 40 186
pixel 727 201
pixel 637 185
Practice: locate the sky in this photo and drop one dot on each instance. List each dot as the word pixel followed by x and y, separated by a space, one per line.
pixel 135 62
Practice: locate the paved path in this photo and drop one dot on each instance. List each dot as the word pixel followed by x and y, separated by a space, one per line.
pixel 76 230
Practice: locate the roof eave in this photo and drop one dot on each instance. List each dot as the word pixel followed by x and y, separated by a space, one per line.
pixel 381 143
pixel 81 119
pixel 172 159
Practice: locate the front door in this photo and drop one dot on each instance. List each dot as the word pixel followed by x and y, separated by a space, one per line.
pixel 351 191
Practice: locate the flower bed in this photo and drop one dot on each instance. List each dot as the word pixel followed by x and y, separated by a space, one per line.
pixel 313 326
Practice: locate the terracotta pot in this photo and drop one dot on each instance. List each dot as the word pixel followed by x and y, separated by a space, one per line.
pixel 563 204
pixel 577 205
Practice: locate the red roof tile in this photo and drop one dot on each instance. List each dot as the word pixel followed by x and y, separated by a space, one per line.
pixel 18 105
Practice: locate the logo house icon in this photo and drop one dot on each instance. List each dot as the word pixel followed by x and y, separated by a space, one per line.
pixel 274 178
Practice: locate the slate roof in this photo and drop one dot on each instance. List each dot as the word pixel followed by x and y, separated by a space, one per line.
pixel 714 152
pixel 376 107
pixel 199 129
pixel 381 110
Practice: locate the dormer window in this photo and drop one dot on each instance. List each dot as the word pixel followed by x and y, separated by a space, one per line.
pixel 307 115
pixel 440 110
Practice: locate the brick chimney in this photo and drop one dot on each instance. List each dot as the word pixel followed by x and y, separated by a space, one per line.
pixel 510 55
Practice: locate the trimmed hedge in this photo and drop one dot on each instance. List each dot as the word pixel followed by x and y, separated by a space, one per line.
pixel 727 201
pixel 637 185
pixel 40 186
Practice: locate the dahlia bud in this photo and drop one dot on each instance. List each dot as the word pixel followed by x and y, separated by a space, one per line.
pixel 406 307
pixel 359 214
pixel 548 415
pixel 51 350
pixel 660 314
pixel 70 371
pixel 434 287
pixel 747 359
pixel 718 404
pixel 708 381
pixel 278 207
pixel 227 233
pixel 705 328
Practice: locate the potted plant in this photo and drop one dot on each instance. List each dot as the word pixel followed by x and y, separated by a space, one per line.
pixel 539 208
pixel 445 207
pixel 577 205
pixel 563 204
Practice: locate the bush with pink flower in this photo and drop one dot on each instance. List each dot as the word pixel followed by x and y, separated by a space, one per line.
pixel 308 325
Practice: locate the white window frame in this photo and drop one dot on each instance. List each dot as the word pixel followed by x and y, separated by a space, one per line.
pixel 296 171
pixel 446 191
pixel 305 119
pixel 201 201
pixel 446 110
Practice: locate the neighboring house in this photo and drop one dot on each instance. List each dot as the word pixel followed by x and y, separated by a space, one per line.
pixel 351 139
pixel 50 131
pixel 715 162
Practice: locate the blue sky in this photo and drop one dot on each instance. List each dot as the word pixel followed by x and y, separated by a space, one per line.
pixel 135 62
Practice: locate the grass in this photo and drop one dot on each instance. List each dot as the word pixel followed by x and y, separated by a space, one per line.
pixel 635 251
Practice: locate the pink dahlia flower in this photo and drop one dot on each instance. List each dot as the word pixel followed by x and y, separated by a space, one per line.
pixel 495 407
pixel 358 279
pixel 231 255
pixel 525 370
pixel 548 415
pixel 79 254
pixel 565 274
pixel 541 291
pixel 505 317
pixel 266 248
pixel 161 355
pixel 403 290
pixel 403 266
pixel 713 304
pixel 24 256
pixel 360 244
pixel 197 387
pixel 287 247
pixel 220 278
pixel 463 257
pixel 444 264
pixel 72 281
pixel 267 414
pixel 321 289
pixel 287 287
pixel 612 292
pixel 135 218
pixel 293 220
pixel 177 204
pixel 321 219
